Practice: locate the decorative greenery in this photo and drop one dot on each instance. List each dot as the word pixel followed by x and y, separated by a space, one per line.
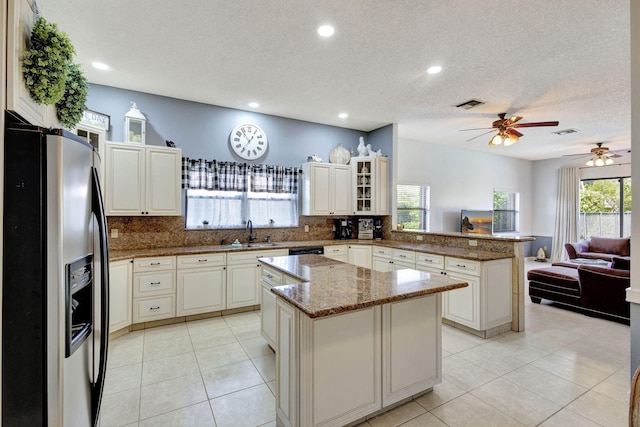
pixel 71 106
pixel 45 64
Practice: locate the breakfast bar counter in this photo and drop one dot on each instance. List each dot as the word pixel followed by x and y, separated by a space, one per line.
pixel 353 342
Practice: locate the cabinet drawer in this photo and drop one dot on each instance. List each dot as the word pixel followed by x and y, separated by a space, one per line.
pixel 463 266
pixel 202 260
pixel 246 257
pixel 154 283
pixel 381 252
pixel 153 264
pixel 405 256
pixel 147 309
pixel 330 251
pixel 429 260
pixel 271 276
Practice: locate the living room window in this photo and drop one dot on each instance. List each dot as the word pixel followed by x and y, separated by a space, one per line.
pixel 605 207
pixel 413 206
pixel 506 205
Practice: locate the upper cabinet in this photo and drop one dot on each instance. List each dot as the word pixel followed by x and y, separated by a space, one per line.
pixel 142 180
pixel 371 185
pixel 326 189
pixel 20 19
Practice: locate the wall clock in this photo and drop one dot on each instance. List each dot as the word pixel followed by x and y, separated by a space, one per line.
pixel 248 141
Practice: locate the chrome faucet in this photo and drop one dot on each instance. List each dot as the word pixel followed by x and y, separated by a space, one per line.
pixel 252 236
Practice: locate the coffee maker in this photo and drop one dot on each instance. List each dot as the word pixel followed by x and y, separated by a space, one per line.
pixel 377 228
pixel 365 228
pixel 343 229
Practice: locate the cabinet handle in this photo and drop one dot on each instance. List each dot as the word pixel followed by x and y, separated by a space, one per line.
pixel 461 265
pixel 428 260
pixel 402 256
pixel 443 272
pixel 155 263
pixel 269 276
pixel 154 283
pixel 154 308
pixel 203 260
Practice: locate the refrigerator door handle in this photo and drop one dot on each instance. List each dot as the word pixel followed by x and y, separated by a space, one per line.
pixel 98 210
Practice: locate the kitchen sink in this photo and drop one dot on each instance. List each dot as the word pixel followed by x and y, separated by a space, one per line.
pixel 255 245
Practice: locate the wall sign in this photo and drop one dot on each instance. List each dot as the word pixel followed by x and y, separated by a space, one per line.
pixel 93 118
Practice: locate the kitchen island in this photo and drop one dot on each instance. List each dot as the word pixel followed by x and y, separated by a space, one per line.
pixel 353 342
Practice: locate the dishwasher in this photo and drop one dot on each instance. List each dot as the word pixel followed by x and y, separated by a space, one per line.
pixel 317 250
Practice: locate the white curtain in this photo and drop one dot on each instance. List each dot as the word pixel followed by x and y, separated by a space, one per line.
pixel 567 211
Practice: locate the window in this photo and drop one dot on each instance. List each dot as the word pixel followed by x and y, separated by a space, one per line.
pixel 605 207
pixel 505 211
pixel 413 206
pixel 228 194
pixel 232 209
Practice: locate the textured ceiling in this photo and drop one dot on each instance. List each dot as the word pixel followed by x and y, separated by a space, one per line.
pixel 543 60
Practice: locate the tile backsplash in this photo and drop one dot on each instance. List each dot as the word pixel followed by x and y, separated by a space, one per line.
pixel 145 232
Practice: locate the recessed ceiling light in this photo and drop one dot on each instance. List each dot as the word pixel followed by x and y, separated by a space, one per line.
pixel 343 115
pixel 100 66
pixel 434 70
pixel 326 30
pixel 254 105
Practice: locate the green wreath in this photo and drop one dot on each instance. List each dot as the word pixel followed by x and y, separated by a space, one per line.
pixel 44 65
pixel 71 106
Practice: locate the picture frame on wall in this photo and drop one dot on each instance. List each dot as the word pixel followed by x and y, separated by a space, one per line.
pixel 96 119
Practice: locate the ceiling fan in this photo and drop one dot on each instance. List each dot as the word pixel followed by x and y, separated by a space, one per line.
pixel 506 129
pixel 601 156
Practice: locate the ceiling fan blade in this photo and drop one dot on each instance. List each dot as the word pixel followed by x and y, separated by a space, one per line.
pixel 627 151
pixel 614 156
pixel 576 155
pixel 482 134
pixel 535 124
pixel 462 130
pixel 512 120
pixel 510 131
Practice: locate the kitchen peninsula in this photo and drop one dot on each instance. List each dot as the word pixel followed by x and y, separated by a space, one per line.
pixel 352 342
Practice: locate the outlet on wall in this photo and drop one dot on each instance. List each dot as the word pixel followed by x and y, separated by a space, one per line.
pixel 473 243
pixel 419 237
pixel 114 233
pixel 544 248
pixel 306 228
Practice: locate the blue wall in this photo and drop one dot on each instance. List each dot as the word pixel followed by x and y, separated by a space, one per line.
pixel 202 130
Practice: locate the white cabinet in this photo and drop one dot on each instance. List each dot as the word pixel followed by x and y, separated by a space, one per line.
pixel 120 294
pixel 485 305
pixel 371 185
pixel 154 288
pixel 20 20
pixel 201 284
pixel 387 259
pixel 360 255
pixel 243 276
pixel 270 278
pixel 142 180
pixel 326 189
pixel 337 252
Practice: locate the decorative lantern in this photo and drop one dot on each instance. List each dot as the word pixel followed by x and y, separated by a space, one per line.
pixel 134 125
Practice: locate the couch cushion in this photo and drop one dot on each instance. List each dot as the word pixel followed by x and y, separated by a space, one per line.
pixel 610 245
pixel 555 276
pixel 621 263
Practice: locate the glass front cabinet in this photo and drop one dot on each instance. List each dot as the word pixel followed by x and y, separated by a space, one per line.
pixel 371 184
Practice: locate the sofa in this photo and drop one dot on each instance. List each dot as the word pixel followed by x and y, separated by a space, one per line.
pixel 595 290
pixel 605 248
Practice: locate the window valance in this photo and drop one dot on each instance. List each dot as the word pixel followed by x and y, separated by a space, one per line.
pixel 213 175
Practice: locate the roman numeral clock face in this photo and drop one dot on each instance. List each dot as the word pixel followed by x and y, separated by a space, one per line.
pixel 248 141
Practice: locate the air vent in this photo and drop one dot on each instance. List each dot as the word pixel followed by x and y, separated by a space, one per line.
pixel 565 131
pixel 470 104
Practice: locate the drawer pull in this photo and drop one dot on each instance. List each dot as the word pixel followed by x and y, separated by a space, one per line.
pixel 154 283
pixel 461 265
pixel 154 263
pixel 428 260
pixel 154 308
pixel 203 260
pixel 269 276
pixel 402 256
pixel 336 250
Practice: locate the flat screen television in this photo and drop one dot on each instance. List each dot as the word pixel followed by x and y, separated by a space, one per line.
pixel 478 222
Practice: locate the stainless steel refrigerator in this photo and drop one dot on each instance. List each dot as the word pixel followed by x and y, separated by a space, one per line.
pixel 54 280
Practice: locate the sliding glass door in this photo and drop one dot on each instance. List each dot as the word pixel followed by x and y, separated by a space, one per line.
pixel 605 207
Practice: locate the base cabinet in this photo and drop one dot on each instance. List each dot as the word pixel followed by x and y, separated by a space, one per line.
pixel 394 352
pixel 120 294
pixel 244 276
pixel 154 288
pixel 360 255
pixel 337 252
pixel 201 291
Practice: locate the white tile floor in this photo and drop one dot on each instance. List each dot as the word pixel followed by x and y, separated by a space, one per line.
pixel 565 370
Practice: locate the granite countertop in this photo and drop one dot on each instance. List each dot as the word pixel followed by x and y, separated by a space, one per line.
pixel 465 253
pixel 332 287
